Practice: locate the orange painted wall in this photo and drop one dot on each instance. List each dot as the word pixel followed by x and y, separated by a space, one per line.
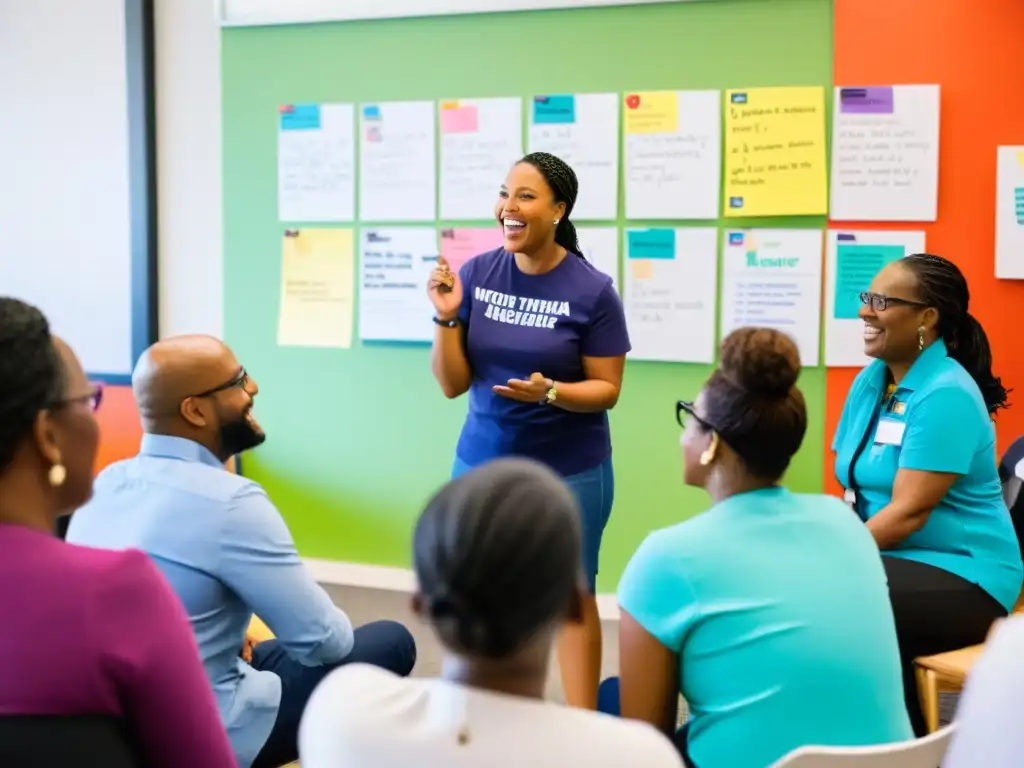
pixel 120 430
pixel 973 50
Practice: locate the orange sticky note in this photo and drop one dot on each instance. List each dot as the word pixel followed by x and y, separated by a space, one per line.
pixel 643 269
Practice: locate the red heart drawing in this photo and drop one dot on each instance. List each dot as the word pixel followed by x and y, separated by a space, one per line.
pixel 632 101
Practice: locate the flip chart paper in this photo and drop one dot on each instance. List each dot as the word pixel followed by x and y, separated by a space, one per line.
pixel 885 153
pixel 1010 212
pixel 480 140
pixel 317 288
pixel 673 154
pixel 394 267
pixel 316 162
pixel 670 290
pixel 460 245
pixel 772 279
pixel 775 152
pixel 600 246
pixel 852 259
pixel 397 169
pixel 583 130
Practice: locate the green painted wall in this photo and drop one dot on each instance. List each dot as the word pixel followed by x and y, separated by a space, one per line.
pixel 359 438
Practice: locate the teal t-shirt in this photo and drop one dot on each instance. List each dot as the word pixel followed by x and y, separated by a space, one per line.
pixel 936 421
pixel 778 607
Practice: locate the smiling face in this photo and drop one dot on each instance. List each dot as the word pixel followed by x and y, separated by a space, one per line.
pixel 891 334
pixel 527 210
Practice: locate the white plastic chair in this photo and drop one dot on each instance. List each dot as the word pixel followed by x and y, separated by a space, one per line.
pixel 920 753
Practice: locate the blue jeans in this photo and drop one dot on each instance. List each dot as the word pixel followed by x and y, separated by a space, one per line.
pixel 608 703
pixel 384 644
pixel 595 491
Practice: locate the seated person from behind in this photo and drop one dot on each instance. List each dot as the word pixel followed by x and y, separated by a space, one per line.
pixel 497 557
pixel 87 633
pixel 225 548
pixel 769 612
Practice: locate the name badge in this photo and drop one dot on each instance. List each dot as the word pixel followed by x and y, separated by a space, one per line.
pixel 850 497
pixel 890 432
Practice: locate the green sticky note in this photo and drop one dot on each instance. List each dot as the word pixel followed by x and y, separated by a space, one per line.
pixel 856 266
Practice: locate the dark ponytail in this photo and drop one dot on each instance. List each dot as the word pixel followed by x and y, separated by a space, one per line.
pixel 942 285
pixel 564 187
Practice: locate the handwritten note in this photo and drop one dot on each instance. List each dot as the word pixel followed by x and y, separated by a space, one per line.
pixel 394 266
pixel 772 279
pixel 775 152
pixel 480 140
pixel 317 289
pixel 1010 212
pixel 852 260
pixel 885 153
pixel 397 177
pixel 673 154
pixel 460 245
pixel 583 130
pixel 600 246
pixel 316 162
pixel 670 290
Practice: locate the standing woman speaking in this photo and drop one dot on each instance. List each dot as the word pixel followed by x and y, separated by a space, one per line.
pixel 537 336
pixel 916 452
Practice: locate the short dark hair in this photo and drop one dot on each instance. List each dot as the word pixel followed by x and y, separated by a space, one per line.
pixel 564 186
pixel 752 401
pixel 497 556
pixel 942 285
pixel 31 373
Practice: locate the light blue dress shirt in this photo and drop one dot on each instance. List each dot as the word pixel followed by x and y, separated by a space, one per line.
pixel 777 606
pixel 936 421
pixel 227 553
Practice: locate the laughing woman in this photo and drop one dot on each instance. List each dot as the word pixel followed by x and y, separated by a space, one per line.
pixel 915 450
pixel 537 336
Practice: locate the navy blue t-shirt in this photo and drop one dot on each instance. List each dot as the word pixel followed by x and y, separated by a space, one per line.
pixel 518 324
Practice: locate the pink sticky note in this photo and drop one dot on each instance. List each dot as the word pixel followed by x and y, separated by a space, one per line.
pixel 459 120
pixel 460 245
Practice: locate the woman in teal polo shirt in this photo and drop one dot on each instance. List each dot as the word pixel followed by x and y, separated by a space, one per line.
pixel 769 612
pixel 916 453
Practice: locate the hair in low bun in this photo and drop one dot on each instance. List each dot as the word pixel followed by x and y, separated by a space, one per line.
pixel 752 400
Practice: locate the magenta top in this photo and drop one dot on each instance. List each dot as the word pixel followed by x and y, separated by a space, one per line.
pixel 89 631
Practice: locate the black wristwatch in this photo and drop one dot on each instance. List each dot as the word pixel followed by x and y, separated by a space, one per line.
pixel 453 323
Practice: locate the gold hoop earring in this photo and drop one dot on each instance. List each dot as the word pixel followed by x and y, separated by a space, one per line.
pixel 57 475
pixel 920 338
pixel 709 454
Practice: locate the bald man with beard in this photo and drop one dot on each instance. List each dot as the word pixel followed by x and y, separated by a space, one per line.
pixel 225 548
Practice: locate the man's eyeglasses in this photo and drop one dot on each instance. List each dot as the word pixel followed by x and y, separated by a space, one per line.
pixel 685 410
pixel 238 380
pixel 93 399
pixel 879 302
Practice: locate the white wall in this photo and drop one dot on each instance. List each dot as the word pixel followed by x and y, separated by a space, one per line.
pixel 189 167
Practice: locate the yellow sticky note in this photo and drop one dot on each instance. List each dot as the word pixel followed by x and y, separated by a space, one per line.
pixel 652 112
pixel 449 105
pixel 1020 158
pixel 775 152
pixel 643 269
pixel 317 288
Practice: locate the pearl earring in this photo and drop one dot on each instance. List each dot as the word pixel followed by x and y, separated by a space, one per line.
pixel 57 475
pixel 556 222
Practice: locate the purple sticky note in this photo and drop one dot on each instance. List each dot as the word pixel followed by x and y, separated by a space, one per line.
pixel 875 100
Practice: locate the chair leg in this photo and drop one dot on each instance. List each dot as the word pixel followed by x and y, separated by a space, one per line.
pixel 928 695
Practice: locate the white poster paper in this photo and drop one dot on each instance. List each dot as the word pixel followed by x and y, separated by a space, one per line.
pixel 397 167
pixel 394 266
pixel 600 246
pixel 1010 213
pixel 316 162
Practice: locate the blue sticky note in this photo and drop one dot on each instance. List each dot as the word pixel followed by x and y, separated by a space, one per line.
pixel 554 109
pixel 738 98
pixel 735 238
pixel 651 244
pixel 856 266
pixel 371 112
pixel 300 117
pixel 735 202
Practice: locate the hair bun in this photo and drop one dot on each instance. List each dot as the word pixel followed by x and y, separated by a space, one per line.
pixel 761 361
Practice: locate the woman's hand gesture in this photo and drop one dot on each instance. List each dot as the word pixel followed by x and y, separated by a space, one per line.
pixel 445 290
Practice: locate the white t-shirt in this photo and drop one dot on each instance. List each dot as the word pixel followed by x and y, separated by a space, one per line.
pixel 365 717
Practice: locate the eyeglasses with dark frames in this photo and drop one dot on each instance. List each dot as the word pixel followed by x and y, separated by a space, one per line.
pixel 93 399
pixel 685 410
pixel 238 380
pixel 879 302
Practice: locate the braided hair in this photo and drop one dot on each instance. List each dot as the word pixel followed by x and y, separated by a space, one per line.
pixel 942 285
pixel 497 557
pixel 31 373
pixel 564 186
